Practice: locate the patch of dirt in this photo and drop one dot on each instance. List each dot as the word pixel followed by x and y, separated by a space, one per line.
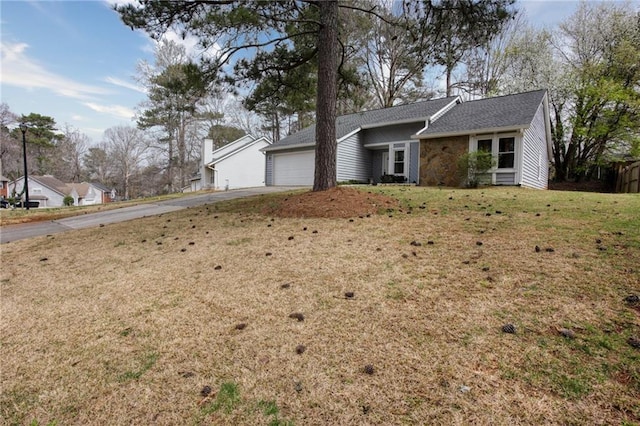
pixel 338 202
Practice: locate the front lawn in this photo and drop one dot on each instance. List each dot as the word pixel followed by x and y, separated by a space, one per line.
pixel 226 315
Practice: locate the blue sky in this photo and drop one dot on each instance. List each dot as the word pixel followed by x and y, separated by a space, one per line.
pixel 75 61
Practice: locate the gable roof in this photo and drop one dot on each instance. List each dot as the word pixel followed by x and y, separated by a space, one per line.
pixel 346 124
pixel 100 187
pixel 51 183
pixel 502 112
pixel 233 147
pixel 65 189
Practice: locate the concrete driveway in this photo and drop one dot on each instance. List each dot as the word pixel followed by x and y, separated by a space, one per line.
pixel 28 230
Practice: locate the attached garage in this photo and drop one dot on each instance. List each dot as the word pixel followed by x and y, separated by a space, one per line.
pixel 293 168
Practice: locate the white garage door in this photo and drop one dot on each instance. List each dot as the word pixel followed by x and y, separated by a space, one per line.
pixel 294 168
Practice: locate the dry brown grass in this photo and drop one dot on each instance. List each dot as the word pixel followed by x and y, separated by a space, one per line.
pixel 127 323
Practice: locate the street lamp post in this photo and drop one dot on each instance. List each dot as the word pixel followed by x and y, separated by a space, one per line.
pixel 23 128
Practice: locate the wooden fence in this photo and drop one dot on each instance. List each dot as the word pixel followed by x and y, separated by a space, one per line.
pixel 628 177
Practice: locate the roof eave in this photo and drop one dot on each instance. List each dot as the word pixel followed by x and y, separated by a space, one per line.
pixel 395 122
pixel 236 150
pixel 471 132
pixel 285 147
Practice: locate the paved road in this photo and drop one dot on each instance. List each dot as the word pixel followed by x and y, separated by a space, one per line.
pixel 28 230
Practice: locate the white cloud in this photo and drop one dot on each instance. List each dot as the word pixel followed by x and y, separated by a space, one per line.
pixel 21 71
pixel 114 110
pixel 127 85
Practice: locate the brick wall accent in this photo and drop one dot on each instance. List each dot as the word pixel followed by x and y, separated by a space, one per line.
pixel 439 160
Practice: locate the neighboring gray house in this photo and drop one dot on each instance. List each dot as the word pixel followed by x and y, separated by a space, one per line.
pixel 370 145
pixel 420 143
pixel 50 192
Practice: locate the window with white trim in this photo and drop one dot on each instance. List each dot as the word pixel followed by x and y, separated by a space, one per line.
pixel 485 145
pixel 506 152
pixel 398 161
pixel 502 147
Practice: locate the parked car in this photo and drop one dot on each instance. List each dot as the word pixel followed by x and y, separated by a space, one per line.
pixel 32 204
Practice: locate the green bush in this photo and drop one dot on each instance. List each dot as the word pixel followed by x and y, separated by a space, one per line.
pixel 68 200
pixel 472 165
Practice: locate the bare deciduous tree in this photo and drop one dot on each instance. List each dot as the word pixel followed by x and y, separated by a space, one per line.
pixel 127 147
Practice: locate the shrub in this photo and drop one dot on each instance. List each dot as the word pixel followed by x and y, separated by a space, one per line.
pixel 472 165
pixel 392 179
pixel 68 200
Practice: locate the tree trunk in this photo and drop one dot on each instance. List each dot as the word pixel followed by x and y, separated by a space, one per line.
pixel 326 144
pixel 170 163
pixel 182 152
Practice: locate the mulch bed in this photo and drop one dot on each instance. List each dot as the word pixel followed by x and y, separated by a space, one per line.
pixel 338 202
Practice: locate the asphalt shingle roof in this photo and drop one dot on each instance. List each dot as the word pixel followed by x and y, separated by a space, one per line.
pixel 346 124
pixel 51 183
pixel 510 111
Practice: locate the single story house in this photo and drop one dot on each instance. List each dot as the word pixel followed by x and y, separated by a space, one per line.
pixel 4 187
pixel 421 142
pixel 50 192
pixel 239 164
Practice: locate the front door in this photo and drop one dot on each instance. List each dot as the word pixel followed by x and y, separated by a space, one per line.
pixel 385 163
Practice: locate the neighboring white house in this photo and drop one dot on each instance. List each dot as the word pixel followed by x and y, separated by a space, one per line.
pixel 239 164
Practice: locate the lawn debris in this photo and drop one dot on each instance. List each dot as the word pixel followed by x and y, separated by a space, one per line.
pixel 368 369
pixel 186 374
pixel 241 326
pixel 465 389
pixel 416 243
pixel 218 267
pixel 284 286
pixel 549 249
pixel 348 295
pixel 300 349
pixel 632 299
pixel 509 328
pixel 297 315
pixel 634 342
pixel 298 386
pixel 538 249
pixel 566 333
pixel 205 391
pixel 44 259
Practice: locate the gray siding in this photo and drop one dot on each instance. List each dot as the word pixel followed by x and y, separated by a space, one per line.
pixel 399 132
pixel 376 165
pixel 268 175
pixel 414 162
pixel 535 169
pixel 353 160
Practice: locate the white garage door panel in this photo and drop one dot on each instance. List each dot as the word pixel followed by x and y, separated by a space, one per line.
pixel 294 168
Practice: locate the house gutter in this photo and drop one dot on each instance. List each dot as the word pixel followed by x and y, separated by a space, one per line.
pixel 285 147
pixel 471 132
